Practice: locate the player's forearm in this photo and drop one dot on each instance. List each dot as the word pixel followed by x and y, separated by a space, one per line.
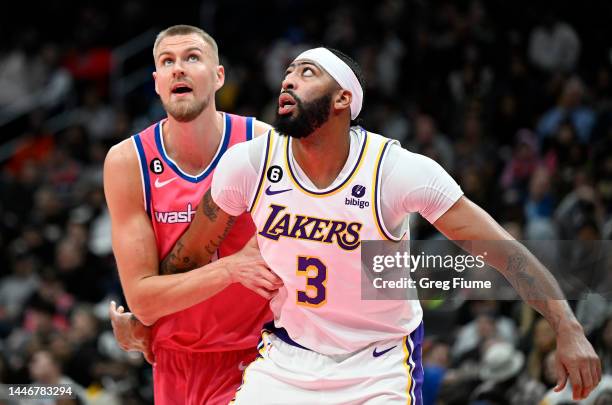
pixel 199 243
pixel 153 297
pixel 480 233
pixel 532 281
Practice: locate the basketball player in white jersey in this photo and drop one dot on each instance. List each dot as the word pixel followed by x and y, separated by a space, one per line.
pixel 316 187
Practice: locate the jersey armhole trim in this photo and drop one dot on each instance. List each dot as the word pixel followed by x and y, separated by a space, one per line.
pixel 249 128
pixel 376 186
pixel 144 173
pixel 262 172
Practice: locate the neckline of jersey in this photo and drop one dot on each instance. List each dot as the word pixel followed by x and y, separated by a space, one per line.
pixel 159 140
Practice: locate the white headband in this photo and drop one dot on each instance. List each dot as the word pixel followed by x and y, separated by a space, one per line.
pixel 341 73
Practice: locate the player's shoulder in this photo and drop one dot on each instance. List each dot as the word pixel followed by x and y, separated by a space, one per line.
pixel 250 147
pixel 121 151
pixel 399 157
pixel 124 152
pixel 260 128
pixel 373 138
pixel 122 179
pixel 121 158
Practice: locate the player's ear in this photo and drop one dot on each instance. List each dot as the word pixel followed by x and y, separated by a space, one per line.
pixel 342 100
pixel 220 77
pixel 155 81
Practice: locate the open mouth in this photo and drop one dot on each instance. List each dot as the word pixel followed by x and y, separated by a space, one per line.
pixel 181 88
pixel 286 103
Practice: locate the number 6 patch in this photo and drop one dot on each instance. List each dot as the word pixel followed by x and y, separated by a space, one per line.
pixel 156 166
pixel 275 174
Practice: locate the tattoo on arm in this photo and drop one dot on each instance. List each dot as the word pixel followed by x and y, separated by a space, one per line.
pixel 211 210
pixel 525 283
pixel 212 247
pixel 176 262
pixel 179 260
pixel 537 288
pixel 209 207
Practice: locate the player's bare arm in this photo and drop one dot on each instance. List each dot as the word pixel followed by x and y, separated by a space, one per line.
pixel 260 128
pixel 204 235
pixel 535 284
pixel 149 295
pixel 197 247
pixel 132 334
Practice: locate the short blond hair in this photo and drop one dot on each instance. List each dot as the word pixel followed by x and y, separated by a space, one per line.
pixel 183 29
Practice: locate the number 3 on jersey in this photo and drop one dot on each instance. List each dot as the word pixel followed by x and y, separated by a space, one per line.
pixel 316 278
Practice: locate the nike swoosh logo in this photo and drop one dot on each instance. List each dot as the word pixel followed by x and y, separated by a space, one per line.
pixel 376 354
pixel 242 366
pixel 272 192
pixel 160 184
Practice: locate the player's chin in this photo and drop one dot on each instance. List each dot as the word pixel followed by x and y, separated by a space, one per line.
pixel 182 98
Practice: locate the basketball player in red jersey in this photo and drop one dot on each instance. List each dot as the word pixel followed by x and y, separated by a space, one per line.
pixel 205 323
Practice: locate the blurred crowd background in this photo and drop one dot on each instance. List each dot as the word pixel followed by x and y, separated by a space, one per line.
pixel 514 99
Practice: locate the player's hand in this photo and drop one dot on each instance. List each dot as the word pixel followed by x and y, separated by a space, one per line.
pixel 248 268
pixel 577 360
pixel 131 334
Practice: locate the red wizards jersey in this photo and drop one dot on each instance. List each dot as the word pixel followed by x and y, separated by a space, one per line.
pixel 231 319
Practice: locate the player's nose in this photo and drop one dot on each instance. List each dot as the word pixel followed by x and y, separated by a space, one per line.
pixel 288 83
pixel 178 69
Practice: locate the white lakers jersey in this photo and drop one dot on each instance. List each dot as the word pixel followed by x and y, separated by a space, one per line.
pixel 312 240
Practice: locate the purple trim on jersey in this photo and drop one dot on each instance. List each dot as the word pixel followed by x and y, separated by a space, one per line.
pixel 144 170
pixel 282 334
pixel 263 172
pixel 297 181
pixel 416 372
pixel 195 179
pixel 379 220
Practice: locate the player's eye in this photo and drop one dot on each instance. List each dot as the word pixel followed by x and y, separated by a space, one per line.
pixel 307 72
pixel 193 58
pixel 167 62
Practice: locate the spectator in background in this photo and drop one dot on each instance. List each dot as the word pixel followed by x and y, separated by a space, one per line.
pixel 16 288
pixel 524 161
pixel 430 142
pixel 539 203
pixel 472 81
pixel 436 361
pixel 554 45
pixel 45 369
pixel 603 343
pixel 487 324
pixel 77 267
pixel 565 156
pixel 542 344
pixel 97 117
pixel 395 121
pixel 570 107
pixel 388 62
pixel 503 379
pixel 85 362
pixel 581 205
pixel 16 66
